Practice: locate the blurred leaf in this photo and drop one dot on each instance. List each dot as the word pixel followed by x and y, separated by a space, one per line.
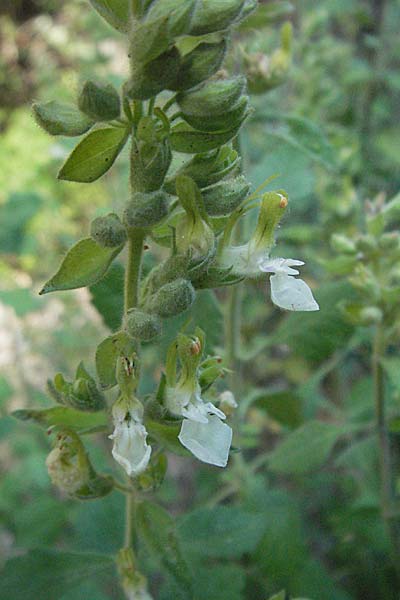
pixel 107 296
pixel 266 14
pixel 302 134
pixel 391 366
pixel 85 263
pixel 22 300
pixel 220 532
pixel 285 407
pixel 305 449
pixel 157 529
pixel 97 525
pixel 15 215
pixel 94 155
pixel 47 574
pixel 280 596
pixel 61 416
pixel 302 332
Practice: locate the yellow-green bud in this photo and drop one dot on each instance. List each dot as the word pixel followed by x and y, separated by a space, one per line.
pixel 141 325
pixel 146 209
pixel 173 298
pixel 108 231
pixel 272 209
pixel 99 101
pixel 214 97
pixel 149 164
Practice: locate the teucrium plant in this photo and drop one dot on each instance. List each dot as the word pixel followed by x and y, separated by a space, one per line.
pixel 176 99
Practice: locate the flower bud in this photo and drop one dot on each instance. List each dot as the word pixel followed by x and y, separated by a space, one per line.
pixel 371 315
pixel 272 209
pixel 58 118
pixel 178 14
pixel 213 97
pixel 199 64
pixel 132 581
pixel 146 209
pixel 211 16
pixel 70 470
pixel 82 394
pixel 108 231
pixel 141 325
pixel 227 403
pixel 149 163
pixel 343 244
pixel 228 120
pixel 155 76
pixel 174 267
pixel 173 298
pixel 99 101
pixel 224 197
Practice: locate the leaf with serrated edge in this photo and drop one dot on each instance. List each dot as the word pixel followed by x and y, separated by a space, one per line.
pixel 94 155
pixel 85 263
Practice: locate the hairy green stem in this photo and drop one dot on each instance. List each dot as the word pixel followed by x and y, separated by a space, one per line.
pixel 385 460
pixel 133 267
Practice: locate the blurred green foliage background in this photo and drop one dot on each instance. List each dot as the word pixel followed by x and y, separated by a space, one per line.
pixel 296 513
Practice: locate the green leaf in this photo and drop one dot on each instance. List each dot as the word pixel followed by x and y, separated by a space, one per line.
pixel 157 529
pixel 94 155
pixel 63 416
pixel 392 369
pixel 280 596
pixel 58 118
pixel 115 12
pixel 305 449
pixel 85 263
pixel 302 332
pixel 285 407
pixel 107 353
pixel 190 141
pixel 107 296
pixel 221 582
pixel 265 15
pixel 47 574
pixel 167 436
pixel 220 532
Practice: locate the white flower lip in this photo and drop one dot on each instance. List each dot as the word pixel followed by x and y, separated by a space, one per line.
pixel 209 442
pixel 287 292
pixel 130 448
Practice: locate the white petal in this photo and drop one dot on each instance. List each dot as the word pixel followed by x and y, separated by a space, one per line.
pixel 195 412
pixel 280 265
pixel 209 442
pixel 130 448
pixel 213 410
pixel 176 399
pixel 292 294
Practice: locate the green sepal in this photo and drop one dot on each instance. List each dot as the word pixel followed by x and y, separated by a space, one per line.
pixel 82 394
pixel 207 169
pixel 101 102
pixel 85 264
pixel 172 298
pixel 174 267
pixel 146 209
pixel 108 231
pixel 224 197
pixel 214 97
pixel 151 78
pixel 94 155
pixel 107 354
pixel 179 13
pixel 97 486
pixel 58 118
pixel 141 325
pixel 149 39
pixel 211 122
pixel 215 277
pixel 166 435
pixel 211 16
pixel 190 141
pixel 199 64
pixel 149 164
pixel 64 416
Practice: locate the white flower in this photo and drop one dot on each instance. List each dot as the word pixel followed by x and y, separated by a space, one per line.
pixel 286 291
pixel 202 431
pixel 130 447
pixel 209 442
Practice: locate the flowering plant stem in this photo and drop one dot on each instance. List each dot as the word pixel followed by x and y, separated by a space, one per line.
pixel 385 460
